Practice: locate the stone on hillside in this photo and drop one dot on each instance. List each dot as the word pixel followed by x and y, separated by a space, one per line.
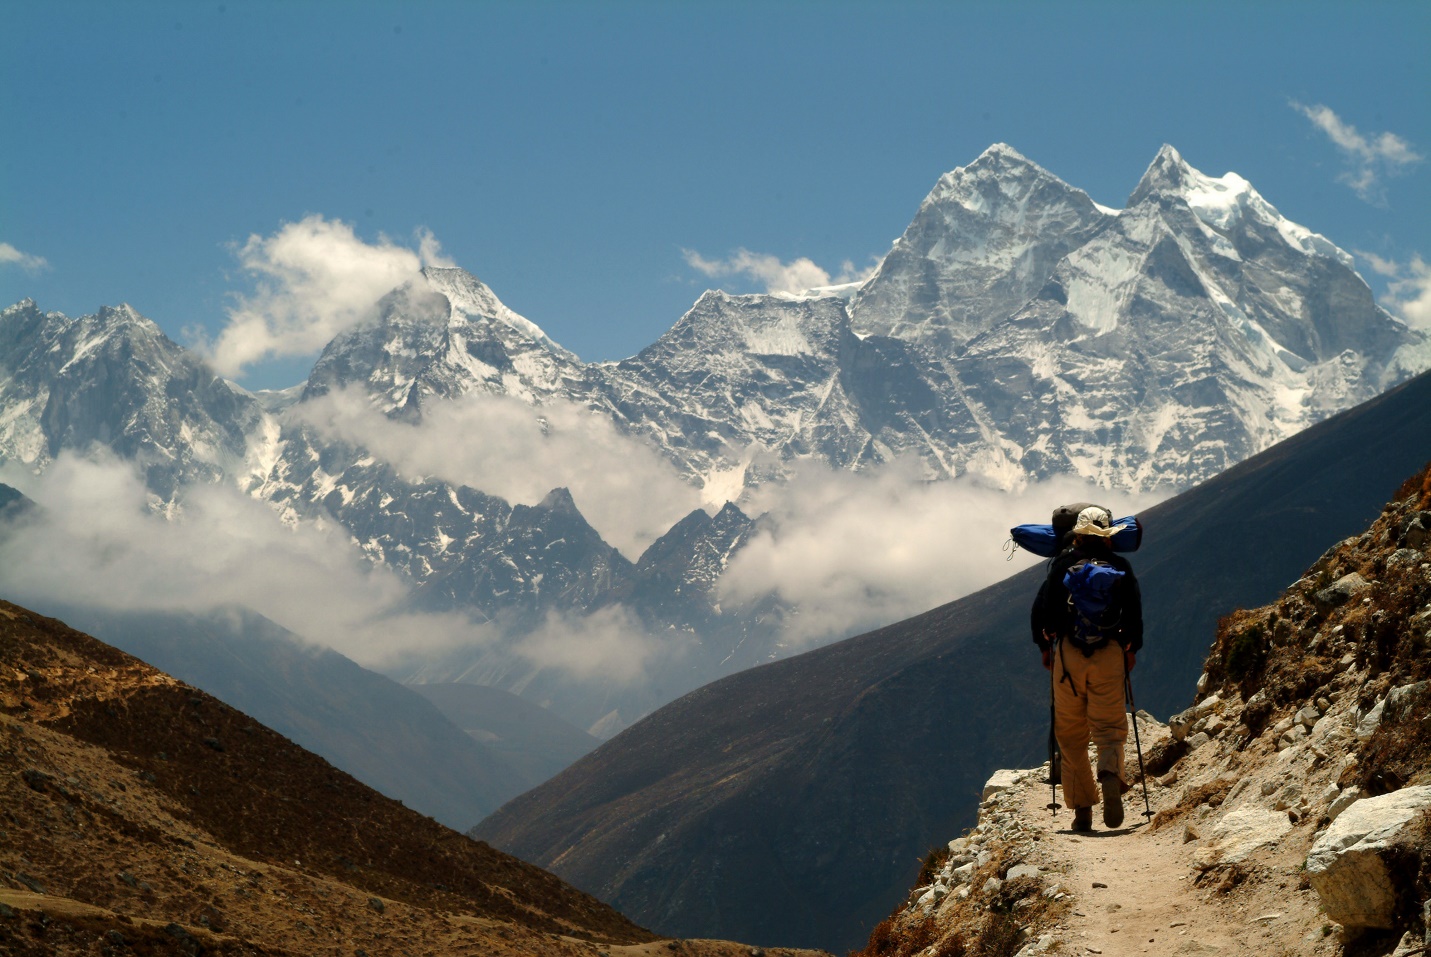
pixel 1292 738
pixel 1022 870
pixel 1198 740
pixel 1181 723
pixel 1207 706
pixel 1239 833
pixel 1347 866
pixel 1343 801
pixel 1369 722
pixel 1401 701
pixel 1001 781
pixel 1308 716
pixel 1341 591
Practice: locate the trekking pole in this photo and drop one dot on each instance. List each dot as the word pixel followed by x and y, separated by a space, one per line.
pixel 1054 756
pixel 1142 772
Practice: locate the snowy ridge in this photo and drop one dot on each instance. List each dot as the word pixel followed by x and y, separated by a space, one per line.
pixel 1016 331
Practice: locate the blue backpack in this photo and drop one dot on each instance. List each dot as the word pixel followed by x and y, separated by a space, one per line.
pixel 1096 615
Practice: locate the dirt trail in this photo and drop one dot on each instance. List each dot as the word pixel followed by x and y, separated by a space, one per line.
pixel 1135 890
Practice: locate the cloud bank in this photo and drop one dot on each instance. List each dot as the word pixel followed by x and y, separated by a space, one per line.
pixel 505 447
pixel 10 256
pixel 99 540
pixel 1409 289
pixel 313 279
pixel 797 279
pixel 1370 157
pixel 855 551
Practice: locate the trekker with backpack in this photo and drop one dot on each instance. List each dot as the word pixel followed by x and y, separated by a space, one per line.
pixel 1088 622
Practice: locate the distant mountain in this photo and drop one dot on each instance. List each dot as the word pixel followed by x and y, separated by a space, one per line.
pixel 115 380
pixel 793 801
pixel 1016 331
pixel 530 738
pixel 144 816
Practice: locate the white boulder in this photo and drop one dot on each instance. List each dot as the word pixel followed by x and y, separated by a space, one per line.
pixel 1001 781
pixel 1346 866
pixel 1239 833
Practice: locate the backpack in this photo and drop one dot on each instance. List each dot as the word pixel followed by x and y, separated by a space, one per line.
pixel 1096 613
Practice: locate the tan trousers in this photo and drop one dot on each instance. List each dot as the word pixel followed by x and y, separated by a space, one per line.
pixel 1088 706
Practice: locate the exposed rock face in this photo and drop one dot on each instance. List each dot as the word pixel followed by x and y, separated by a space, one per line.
pixel 1348 866
pixel 114 381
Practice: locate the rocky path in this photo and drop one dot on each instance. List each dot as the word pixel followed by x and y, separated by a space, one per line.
pixel 1142 890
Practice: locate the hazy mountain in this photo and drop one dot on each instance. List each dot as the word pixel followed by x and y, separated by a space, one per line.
pixel 531 739
pixel 794 800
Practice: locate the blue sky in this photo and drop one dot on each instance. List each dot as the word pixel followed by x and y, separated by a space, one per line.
pixel 574 155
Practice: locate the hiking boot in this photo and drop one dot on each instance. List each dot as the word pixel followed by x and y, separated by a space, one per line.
pixel 1083 819
pixel 1112 798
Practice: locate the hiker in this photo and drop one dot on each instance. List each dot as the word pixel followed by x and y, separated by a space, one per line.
pixel 1089 650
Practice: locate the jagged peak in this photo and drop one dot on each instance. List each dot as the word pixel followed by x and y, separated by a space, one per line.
pixel 559 500
pixel 1000 164
pixel 469 296
pixel 1221 202
pixel 1168 172
pixel 1005 152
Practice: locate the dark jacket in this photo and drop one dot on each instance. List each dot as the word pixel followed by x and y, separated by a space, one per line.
pixel 1053 611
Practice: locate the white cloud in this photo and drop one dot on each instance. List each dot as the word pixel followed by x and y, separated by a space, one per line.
pixel 313 279
pixel 10 256
pixel 1370 156
pixel 505 447
pixel 797 278
pixel 608 645
pixel 99 541
pixel 1409 289
pixel 854 551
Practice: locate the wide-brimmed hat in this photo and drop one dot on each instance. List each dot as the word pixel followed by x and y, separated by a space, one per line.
pixel 1094 520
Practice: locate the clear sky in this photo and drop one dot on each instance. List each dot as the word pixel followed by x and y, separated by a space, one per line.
pixel 579 157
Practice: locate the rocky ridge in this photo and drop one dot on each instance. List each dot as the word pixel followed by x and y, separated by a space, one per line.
pixel 1291 804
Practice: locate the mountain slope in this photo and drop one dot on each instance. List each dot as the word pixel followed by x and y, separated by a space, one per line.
pixel 225 827
pixel 533 740
pixel 820 778
pixel 143 816
pixel 366 724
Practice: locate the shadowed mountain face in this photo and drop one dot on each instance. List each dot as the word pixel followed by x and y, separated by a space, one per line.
pixel 143 816
pixel 387 736
pixel 531 739
pixel 793 801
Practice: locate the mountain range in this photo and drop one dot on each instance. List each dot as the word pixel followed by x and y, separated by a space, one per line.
pixel 1016 332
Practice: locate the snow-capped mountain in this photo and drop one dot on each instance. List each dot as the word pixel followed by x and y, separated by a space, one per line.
pixel 115 380
pixel 983 242
pixel 1016 331
pixel 1195 329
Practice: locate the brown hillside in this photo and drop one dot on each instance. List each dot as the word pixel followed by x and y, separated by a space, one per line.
pixel 140 815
